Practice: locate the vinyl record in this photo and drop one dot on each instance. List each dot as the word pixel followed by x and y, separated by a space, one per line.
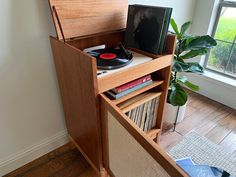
pixel 110 58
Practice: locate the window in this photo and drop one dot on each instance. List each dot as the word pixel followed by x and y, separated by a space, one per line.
pixel 222 58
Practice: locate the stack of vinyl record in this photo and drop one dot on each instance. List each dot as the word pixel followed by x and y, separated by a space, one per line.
pixel 144 116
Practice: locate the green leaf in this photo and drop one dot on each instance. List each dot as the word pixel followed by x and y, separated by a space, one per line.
pixel 185 27
pixel 187 36
pixel 179 66
pixel 192 67
pixel 175 28
pixel 199 42
pixel 184 80
pixel 195 67
pixel 177 96
pixel 194 53
pixel 185 43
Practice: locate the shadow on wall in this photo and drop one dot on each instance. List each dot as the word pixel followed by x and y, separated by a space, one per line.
pixel 30 107
pixel 30 23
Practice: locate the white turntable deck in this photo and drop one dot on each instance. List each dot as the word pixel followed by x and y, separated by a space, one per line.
pixel 137 59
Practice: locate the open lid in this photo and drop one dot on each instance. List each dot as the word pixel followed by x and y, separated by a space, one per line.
pixel 76 18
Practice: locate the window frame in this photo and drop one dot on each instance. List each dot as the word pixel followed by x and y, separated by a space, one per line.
pixel 222 4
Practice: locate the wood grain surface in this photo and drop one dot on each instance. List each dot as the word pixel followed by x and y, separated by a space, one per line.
pixel 78 85
pixel 65 161
pixel 113 80
pixel 81 18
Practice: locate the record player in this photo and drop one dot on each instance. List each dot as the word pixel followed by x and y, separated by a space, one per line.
pixel 110 60
pixel 84 24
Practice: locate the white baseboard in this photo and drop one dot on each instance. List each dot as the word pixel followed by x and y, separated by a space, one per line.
pixel 33 152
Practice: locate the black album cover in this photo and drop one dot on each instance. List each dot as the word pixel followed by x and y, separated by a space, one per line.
pixel 147 27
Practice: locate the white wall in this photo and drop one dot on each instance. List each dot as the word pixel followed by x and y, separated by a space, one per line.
pixel 31 116
pixel 202 16
pixel 30 108
pixel 182 9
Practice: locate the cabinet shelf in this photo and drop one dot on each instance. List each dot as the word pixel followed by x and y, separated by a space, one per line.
pixel 137 92
pixel 138 100
pixel 115 79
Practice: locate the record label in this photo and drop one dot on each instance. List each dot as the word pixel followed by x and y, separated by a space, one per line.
pixel 108 56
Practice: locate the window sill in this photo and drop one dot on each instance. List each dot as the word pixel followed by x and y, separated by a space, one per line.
pixel 223 80
pixel 216 87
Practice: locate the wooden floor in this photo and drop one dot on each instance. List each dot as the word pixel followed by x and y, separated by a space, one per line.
pixel 209 118
pixel 65 161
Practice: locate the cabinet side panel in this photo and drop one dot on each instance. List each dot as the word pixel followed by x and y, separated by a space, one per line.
pixel 170 44
pixel 128 151
pixel 76 74
pixel 127 157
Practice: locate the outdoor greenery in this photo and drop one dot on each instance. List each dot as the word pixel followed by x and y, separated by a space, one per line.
pixel 188 46
pixel 226 29
pixel 220 55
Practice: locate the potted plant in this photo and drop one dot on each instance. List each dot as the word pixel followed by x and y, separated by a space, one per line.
pixel 187 47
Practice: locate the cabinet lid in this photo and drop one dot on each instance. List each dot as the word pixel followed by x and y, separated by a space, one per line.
pixel 76 18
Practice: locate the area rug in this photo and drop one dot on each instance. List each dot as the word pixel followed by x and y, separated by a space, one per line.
pixel 204 152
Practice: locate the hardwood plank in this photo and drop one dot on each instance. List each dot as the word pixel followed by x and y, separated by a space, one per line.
pixel 190 111
pixel 212 120
pixel 223 128
pixel 76 168
pixel 65 161
pixel 169 139
pixel 203 116
pixel 229 142
pixel 53 166
pixel 42 160
pixel 191 122
pixel 198 101
pixel 206 128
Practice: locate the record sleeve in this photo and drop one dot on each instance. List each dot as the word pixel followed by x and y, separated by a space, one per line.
pixel 147 27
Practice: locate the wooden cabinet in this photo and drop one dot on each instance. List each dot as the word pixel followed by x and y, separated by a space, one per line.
pixel 97 125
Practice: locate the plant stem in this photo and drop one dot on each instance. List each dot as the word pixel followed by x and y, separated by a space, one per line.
pixel 177 58
pixel 175 76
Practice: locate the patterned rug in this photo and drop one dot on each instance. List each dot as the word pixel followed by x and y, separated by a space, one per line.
pixel 204 152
